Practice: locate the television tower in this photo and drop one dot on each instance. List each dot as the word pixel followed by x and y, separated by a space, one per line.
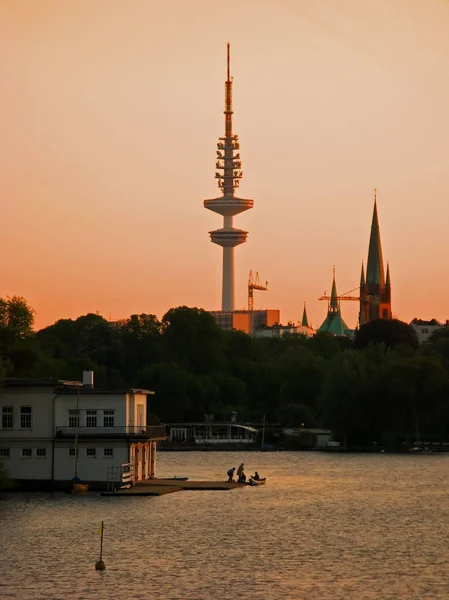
pixel 228 205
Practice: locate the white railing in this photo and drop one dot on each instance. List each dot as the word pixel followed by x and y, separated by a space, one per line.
pixel 152 431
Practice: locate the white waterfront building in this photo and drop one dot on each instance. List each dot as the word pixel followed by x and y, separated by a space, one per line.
pixel 214 434
pixel 424 329
pixel 43 421
pixel 280 330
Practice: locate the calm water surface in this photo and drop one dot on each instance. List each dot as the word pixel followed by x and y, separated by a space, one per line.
pixel 326 526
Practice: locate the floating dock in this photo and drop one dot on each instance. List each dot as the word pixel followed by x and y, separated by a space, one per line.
pixel 159 487
pixel 144 490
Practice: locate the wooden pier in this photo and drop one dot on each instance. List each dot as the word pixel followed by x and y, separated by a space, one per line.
pixel 159 487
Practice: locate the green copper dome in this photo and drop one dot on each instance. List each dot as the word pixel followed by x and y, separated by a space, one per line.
pixel 334 323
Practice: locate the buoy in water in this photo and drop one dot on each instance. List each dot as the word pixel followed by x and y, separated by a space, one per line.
pixel 100 566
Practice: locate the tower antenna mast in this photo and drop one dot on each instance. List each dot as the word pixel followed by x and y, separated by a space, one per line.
pixel 228 205
pixel 228 97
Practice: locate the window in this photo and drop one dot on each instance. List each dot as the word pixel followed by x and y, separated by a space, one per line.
pixel 5 452
pixel 424 331
pixel 74 418
pixel 26 453
pixel 7 417
pixel 41 452
pixel 92 452
pixel 25 417
pixel 108 452
pixel 108 418
pixel 91 418
pixel 71 451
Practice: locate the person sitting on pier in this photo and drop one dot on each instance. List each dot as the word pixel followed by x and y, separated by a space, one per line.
pixel 230 474
pixel 256 476
pixel 242 478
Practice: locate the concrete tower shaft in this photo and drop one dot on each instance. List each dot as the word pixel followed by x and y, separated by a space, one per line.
pixel 228 205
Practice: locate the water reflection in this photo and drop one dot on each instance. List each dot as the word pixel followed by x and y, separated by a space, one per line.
pixel 325 526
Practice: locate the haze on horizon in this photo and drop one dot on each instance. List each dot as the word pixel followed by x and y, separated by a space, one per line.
pixel 111 112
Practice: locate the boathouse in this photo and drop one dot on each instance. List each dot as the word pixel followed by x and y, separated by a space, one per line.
pixel 212 434
pixel 51 431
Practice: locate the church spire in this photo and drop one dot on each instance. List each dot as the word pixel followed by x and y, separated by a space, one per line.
pixel 361 318
pixel 362 296
pixel 334 305
pixel 375 294
pixel 334 322
pixel 375 267
pixel 305 320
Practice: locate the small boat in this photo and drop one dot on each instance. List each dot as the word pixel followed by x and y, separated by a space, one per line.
pixel 257 481
pixel 80 488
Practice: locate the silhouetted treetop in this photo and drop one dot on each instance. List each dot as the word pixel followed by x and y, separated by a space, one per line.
pixel 390 333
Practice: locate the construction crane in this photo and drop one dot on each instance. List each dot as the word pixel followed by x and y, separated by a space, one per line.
pixel 364 300
pixel 253 284
pixel 344 296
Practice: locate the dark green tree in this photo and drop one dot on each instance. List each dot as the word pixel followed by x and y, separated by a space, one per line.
pixel 142 342
pixel 17 316
pixel 193 339
pixel 384 390
pixel 18 349
pixel 178 393
pixel 342 401
pixel 390 333
pixel 414 398
pixel 324 344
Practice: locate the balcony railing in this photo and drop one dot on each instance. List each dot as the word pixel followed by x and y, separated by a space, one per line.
pixel 150 432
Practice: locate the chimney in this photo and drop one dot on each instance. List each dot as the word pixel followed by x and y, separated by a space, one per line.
pixel 88 379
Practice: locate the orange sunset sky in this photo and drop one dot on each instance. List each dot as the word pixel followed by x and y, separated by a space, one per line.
pixel 110 113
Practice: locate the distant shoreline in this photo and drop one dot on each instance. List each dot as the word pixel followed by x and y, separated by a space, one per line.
pixel 332 450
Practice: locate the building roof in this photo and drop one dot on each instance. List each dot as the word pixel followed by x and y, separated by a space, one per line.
pixel 67 387
pixel 388 279
pixel 95 391
pixel 23 382
pixel 214 424
pixel 334 323
pixel 305 320
pixel 431 323
pixel 375 266
pixel 362 276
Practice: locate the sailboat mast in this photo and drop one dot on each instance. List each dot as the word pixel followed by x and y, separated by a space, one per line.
pixel 263 432
pixel 76 431
pixel 418 440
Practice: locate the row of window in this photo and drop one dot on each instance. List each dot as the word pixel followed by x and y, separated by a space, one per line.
pixel 26 452
pixel 74 418
pixel 91 418
pixel 25 417
pixel 92 452
pixel 42 452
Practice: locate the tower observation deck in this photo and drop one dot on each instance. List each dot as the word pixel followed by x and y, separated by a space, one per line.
pixel 228 173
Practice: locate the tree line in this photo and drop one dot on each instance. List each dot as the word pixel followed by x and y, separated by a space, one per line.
pixel 381 387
